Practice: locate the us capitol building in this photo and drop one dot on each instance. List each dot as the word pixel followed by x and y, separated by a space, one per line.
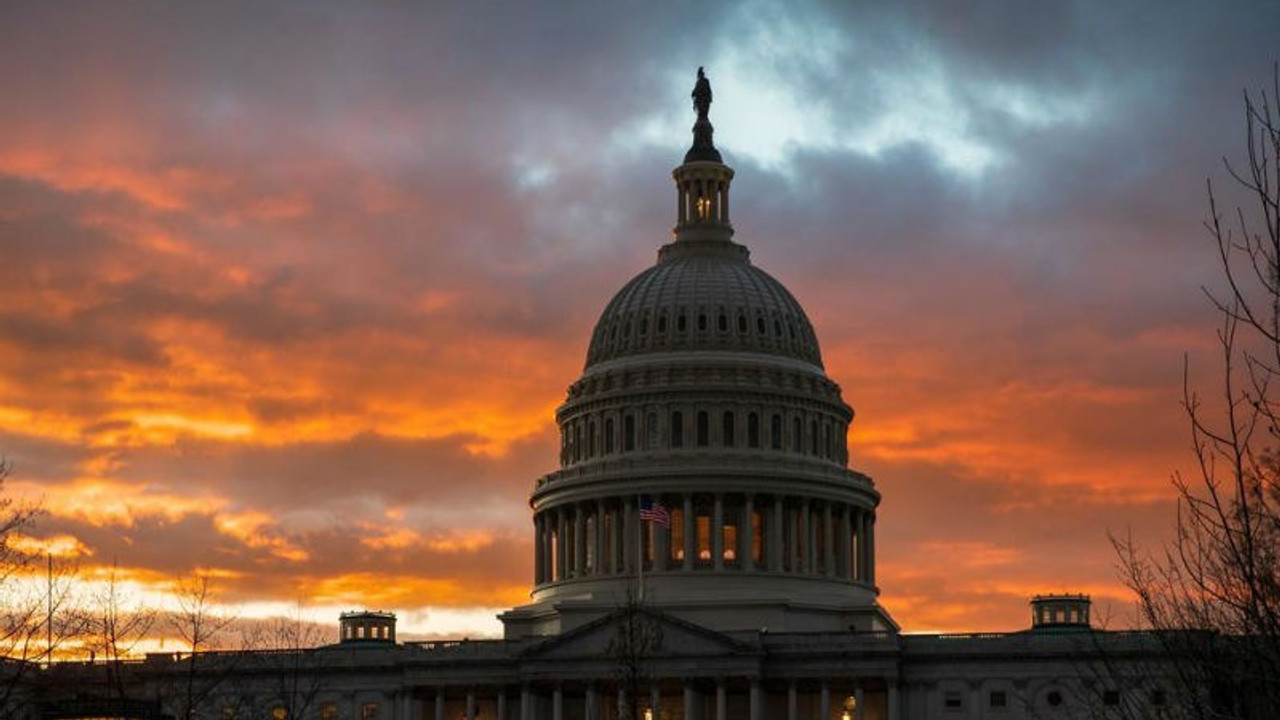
pixel 703 552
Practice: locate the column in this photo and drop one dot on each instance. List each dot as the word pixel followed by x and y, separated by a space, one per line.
pixel 615 567
pixel 409 705
pixel 562 527
pixel 557 703
pixel 724 202
pixel 828 542
pixel 824 702
pixel 622 703
pixel 806 538
pixel 600 566
pixel 661 539
pixel 775 535
pixel 592 710
pixel 579 541
pixel 717 532
pixel 502 704
pixel 755 702
pixel 746 560
pixel 722 701
pixel 690 542
pixel 681 213
pixel 859 700
pixel 895 709
pixel 439 703
pixel 690 701
pixel 626 534
pixel 471 705
pixel 862 545
pixel 793 701
pixel 526 704
pixel 537 550
pixel 846 544
pixel 871 548
pixel 655 700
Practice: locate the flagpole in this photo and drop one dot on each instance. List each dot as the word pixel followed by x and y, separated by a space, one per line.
pixel 640 545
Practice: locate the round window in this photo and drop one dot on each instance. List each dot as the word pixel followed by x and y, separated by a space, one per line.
pixel 1054 698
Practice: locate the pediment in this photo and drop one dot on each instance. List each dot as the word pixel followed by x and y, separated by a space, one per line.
pixel 639 631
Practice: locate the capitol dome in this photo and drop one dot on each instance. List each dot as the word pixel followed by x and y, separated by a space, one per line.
pixel 703 296
pixel 703 451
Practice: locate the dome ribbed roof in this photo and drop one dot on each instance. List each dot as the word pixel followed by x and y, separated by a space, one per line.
pixel 703 296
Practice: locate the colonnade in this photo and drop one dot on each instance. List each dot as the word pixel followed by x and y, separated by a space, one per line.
pixel 740 532
pixel 719 699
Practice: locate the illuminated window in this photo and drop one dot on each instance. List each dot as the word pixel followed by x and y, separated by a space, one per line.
pixel 329 711
pixel 677 535
pixel 703 206
pixel 729 543
pixel 704 537
pixel 279 712
pixel 369 711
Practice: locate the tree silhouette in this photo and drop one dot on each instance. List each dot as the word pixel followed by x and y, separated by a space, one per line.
pixel 1213 593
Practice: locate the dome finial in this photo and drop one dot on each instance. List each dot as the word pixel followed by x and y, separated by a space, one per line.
pixel 702 94
pixel 703 147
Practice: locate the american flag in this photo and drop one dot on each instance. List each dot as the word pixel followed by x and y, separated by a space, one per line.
pixel 655 511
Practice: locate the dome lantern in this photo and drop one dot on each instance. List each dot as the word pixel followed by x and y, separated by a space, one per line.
pixel 702 182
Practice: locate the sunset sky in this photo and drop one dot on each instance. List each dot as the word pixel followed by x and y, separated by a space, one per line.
pixel 290 291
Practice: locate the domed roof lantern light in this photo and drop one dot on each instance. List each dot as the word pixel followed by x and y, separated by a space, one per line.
pixel 702 182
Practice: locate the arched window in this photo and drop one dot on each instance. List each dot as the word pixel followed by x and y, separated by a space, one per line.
pixel 703 429
pixel 775 432
pixel 742 323
pixel 723 322
pixel 591 439
pixel 608 435
pixel 727 429
pixel 796 435
pixel 702 322
pixel 753 430
pixel 577 441
pixel 813 437
pixel 680 323
pixel 677 429
pixel 629 433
